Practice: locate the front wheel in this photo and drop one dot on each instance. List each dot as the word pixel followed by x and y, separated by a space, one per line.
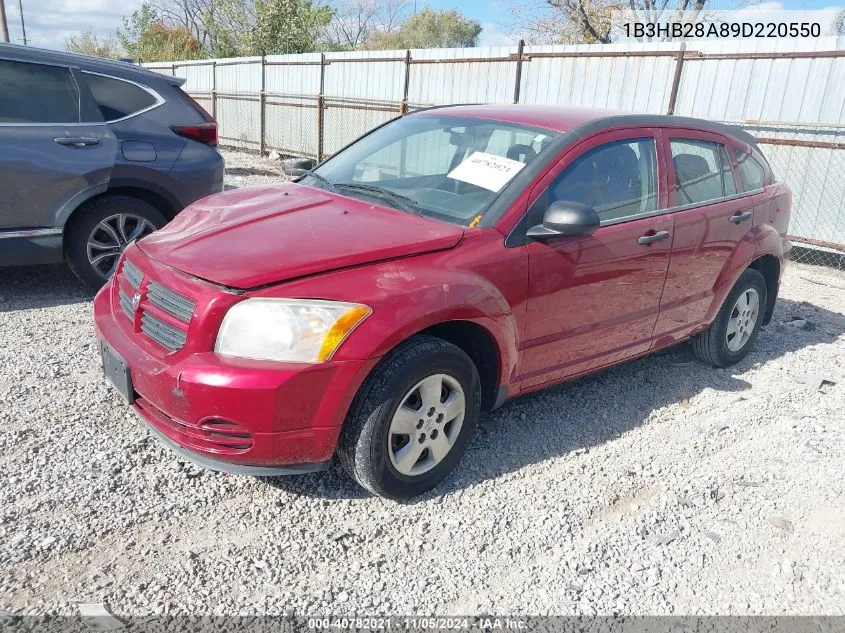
pixel 412 419
pixel 734 329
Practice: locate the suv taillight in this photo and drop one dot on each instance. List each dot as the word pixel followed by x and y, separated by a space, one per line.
pixel 200 132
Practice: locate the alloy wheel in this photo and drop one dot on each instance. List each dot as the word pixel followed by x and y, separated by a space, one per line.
pixel 426 425
pixel 111 236
pixel 742 320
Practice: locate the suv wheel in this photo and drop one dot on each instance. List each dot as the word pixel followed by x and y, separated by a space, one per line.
pixel 103 230
pixel 412 419
pixel 732 333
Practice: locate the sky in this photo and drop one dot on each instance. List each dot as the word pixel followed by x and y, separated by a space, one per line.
pixel 50 22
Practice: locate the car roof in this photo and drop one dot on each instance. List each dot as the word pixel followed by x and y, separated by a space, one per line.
pixel 579 121
pixel 125 70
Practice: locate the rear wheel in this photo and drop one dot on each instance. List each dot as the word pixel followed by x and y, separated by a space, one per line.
pixel 102 230
pixel 732 333
pixel 412 419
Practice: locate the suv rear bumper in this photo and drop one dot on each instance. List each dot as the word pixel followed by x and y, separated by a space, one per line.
pixel 235 415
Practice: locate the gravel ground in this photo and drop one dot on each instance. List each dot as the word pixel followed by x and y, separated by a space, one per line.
pixel 247 170
pixel 662 486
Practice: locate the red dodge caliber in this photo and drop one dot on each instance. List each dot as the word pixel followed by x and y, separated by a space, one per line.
pixel 437 266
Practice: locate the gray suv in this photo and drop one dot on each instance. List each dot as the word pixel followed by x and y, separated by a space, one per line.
pixel 93 155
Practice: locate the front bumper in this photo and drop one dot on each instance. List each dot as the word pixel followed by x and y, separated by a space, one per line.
pixel 231 414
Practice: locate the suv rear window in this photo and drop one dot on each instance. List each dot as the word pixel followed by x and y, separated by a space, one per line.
pixel 117 98
pixel 37 93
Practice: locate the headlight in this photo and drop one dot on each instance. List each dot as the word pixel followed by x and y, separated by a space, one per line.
pixel 289 330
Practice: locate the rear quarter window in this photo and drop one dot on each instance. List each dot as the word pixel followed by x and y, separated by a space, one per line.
pixel 116 98
pixel 752 170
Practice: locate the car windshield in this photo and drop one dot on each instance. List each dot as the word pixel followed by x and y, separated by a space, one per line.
pixel 446 167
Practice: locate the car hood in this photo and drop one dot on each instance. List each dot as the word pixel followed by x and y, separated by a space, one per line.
pixel 252 237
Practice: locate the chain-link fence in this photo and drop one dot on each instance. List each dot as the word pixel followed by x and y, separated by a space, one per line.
pixel 812 162
pixel 793 101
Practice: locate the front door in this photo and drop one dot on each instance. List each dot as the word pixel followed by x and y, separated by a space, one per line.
pixel 594 300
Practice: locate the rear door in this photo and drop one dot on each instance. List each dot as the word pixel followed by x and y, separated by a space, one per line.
pixel 54 148
pixel 594 300
pixel 712 217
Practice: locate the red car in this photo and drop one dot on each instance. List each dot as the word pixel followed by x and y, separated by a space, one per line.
pixel 439 265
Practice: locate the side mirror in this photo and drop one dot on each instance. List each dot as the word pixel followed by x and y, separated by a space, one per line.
pixel 564 218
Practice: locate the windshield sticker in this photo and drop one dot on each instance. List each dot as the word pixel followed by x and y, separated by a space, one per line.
pixel 486 170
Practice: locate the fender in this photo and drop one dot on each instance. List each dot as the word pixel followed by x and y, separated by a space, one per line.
pixel 80 198
pixel 407 298
pixel 767 241
pixel 758 241
pixel 153 180
pixel 121 176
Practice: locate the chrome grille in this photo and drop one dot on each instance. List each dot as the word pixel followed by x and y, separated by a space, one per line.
pixel 126 305
pixel 133 275
pixel 172 302
pixel 162 333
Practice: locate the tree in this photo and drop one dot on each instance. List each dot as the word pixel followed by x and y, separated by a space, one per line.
pixel 89 44
pixel 286 26
pixel 147 37
pixel 591 21
pixel 355 22
pixel 134 26
pixel 430 29
pixel 837 27
pixel 231 28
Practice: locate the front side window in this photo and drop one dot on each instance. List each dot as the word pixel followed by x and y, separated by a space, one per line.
pixel 702 171
pixel 117 99
pixel 37 93
pixel 753 174
pixel 619 180
pixel 447 167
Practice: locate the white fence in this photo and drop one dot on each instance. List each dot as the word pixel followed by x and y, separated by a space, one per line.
pixel 790 93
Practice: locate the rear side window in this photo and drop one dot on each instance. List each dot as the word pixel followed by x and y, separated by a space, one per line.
pixel 116 98
pixel 619 180
pixel 37 93
pixel 753 173
pixel 702 171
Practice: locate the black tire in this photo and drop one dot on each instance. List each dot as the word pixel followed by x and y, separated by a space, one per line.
pixel 298 166
pixel 363 444
pixel 84 221
pixel 711 346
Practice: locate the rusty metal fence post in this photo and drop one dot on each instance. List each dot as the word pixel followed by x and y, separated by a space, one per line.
pixel 676 80
pixel 214 89
pixel 403 107
pixel 262 105
pixel 518 81
pixel 320 98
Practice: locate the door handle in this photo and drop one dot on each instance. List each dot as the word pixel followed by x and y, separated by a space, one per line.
pixel 654 237
pixel 740 217
pixel 77 141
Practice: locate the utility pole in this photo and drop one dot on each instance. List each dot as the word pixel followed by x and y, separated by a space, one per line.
pixel 23 26
pixel 4 28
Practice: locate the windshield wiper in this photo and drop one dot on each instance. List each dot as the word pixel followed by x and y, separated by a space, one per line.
pixel 409 204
